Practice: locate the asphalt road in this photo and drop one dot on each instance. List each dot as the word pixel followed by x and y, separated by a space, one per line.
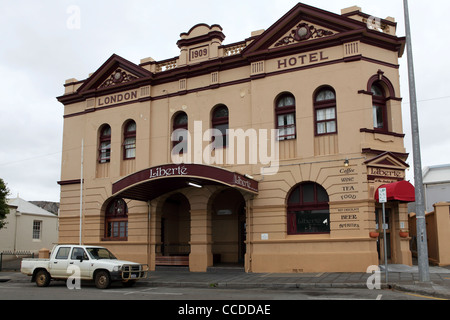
pixel 59 291
pixel 201 303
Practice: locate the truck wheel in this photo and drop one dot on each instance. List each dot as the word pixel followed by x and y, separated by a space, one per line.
pixel 42 278
pixel 102 279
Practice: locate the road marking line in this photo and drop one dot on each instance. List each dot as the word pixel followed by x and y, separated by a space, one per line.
pixel 319 275
pixel 351 299
pixel 145 291
pixel 420 296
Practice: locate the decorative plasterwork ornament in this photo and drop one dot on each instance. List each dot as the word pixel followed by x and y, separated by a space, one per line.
pixel 119 76
pixel 303 32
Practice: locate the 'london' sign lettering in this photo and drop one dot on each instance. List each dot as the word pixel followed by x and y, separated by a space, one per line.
pixel 117 98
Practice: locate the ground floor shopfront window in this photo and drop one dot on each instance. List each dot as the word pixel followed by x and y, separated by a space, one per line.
pixel 308 210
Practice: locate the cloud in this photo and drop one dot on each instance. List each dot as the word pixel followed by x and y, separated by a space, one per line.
pixel 39 53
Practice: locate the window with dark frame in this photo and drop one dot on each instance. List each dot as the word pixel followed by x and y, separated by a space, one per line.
pixel 129 141
pixel 104 150
pixel 308 210
pixel 379 108
pixel 116 221
pixel 285 117
pixel 325 111
pixel 179 133
pixel 220 121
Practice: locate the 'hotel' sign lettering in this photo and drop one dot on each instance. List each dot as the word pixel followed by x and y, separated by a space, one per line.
pixel 304 59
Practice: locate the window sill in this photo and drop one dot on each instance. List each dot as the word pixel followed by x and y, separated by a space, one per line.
pixel 325 134
pixel 308 234
pixel 114 239
pixel 290 139
pixel 394 134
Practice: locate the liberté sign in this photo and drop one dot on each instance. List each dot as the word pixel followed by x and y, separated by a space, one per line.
pixel 187 171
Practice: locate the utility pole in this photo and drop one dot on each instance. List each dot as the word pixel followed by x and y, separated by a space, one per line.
pixel 422 244
pixel 81 191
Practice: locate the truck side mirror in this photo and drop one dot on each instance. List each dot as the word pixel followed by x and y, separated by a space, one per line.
pixel 80 258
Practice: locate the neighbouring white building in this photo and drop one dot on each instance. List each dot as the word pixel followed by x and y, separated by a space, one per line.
pixel 29 228
pixel 436 183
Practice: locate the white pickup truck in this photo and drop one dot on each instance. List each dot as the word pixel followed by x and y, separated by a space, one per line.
pixel 94 263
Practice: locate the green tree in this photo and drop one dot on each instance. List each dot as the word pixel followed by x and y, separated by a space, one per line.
pixel 4 209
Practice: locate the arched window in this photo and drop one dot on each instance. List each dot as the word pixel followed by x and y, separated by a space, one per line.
pixel 308 209
pixel 116 220
pixel 379 107
pixel 220 121
pixel 104 150
pixel 325 111
pixel 285 115
pixel 179 133
pixel 129 140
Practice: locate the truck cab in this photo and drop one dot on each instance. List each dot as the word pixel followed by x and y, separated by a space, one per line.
pixel 90 263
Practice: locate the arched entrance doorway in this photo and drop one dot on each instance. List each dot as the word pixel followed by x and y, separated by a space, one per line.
pixel 208 194
pixel 174 226
pixel 228 228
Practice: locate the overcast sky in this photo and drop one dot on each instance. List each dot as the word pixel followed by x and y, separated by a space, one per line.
pixel 40 50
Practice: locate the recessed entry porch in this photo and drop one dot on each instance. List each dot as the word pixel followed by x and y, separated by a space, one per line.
pixel 197 214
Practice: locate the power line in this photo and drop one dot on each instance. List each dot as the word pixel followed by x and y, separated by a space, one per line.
pixel 29 159
pixel 430 99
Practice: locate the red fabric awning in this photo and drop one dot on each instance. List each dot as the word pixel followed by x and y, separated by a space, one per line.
pixel 399 191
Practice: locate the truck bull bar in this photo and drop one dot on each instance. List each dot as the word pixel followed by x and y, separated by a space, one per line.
pixel 134 272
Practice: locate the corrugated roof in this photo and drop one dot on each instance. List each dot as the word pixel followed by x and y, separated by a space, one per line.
pixel 26 207
pixel 436 174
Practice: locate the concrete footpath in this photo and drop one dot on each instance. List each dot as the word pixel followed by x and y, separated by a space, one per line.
pixel 401 278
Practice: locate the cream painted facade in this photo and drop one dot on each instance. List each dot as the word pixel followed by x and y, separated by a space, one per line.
pixel 243 212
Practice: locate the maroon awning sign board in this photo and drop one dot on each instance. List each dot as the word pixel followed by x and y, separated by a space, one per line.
pixel 151 183
pixel 398 191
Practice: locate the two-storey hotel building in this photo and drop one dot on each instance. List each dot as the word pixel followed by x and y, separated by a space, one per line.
pixel 266 153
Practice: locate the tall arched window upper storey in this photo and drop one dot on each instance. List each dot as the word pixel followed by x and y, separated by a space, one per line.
pixel 116 220
pixel 379 107
pixel 285 115
pixel 104 150
pixel 179 133
pixel 308 209
pixel 220 121
pixel 325 111
pixel 129 140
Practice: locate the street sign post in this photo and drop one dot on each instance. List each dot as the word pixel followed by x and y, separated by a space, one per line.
pixel 382 196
